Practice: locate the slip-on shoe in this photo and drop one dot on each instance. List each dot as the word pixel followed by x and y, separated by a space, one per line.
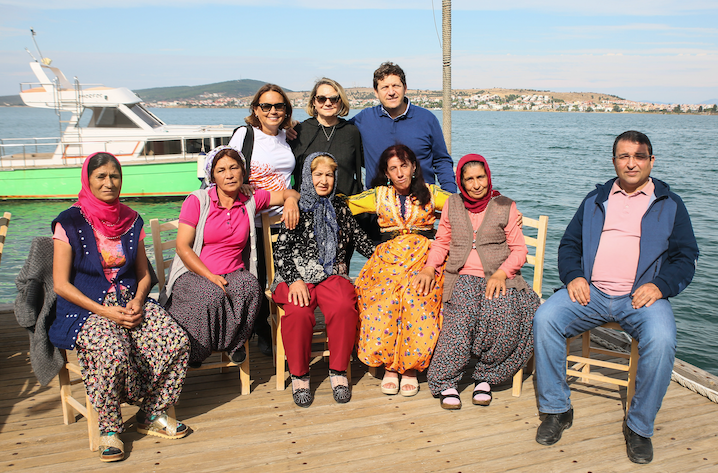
pixel 550 430
pixel 638 448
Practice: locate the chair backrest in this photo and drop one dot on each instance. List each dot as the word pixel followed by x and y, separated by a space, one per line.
pixel 4 222
pixel 160 246
pixel 539 245
pixel 269 240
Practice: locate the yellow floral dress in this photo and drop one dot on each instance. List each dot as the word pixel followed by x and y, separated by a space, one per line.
pixel 398 327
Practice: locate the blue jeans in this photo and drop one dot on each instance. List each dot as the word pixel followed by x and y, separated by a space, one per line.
pixel 654 327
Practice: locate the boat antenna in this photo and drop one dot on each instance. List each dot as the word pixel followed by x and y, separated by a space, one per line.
pixel 45 61
pixel 33 57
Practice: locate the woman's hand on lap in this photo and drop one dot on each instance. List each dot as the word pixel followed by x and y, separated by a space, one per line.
pixel 218 280
pixel 298 293
pixel 122 316
pixel 424 281
pixel 496 285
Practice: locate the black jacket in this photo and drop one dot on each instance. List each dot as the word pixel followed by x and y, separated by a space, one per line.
pixel 345 145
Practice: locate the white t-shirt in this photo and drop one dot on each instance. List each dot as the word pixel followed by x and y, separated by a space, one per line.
pixel 272 163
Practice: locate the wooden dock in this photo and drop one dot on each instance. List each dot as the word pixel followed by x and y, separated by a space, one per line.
pixel 266 432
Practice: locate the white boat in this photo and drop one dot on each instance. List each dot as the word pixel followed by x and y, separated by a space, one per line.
pixel 158 159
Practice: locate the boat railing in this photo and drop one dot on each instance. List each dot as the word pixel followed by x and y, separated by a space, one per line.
pixel 26 148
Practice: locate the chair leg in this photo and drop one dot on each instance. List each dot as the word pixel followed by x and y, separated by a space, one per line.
pixel 374 371
pixel 244 378
pixel 225 359
pixel 518 383
pixel 93 426
pixel 68 413
pixel 279 360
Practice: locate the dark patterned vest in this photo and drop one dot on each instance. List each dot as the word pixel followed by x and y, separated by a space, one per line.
pixel 87 274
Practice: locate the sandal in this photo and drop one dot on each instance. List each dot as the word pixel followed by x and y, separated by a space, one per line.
pixel 483 402
pixel 161 426
pixel 342 394
pixel 111 447
pixel 386 381
pixel 450 407
pixel 302 396
pixel 409 381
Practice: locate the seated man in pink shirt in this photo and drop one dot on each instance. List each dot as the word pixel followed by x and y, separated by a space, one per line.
pixel 629 247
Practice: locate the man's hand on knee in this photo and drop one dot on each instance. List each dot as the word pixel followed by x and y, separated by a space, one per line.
pixel 646 295
pixel 579 291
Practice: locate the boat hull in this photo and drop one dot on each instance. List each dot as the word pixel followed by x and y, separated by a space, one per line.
pixel 150 180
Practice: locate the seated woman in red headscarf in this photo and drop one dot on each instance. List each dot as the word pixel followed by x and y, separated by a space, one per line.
pixel 488 307
pixel 130 349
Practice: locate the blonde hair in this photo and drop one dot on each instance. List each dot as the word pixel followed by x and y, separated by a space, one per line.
pixel 343 110
pixel 323 159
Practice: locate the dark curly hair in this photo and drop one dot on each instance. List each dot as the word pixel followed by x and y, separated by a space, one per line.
pixel 418 189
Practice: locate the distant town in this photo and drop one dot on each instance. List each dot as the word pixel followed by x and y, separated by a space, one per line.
pixel 471 99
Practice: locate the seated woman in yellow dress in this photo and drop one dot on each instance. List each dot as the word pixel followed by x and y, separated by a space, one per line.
pixel 398 327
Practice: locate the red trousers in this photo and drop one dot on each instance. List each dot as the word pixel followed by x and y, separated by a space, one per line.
pixel 336 298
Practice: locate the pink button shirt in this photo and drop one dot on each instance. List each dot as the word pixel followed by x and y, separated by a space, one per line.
pixel 614 270
pixel 514 238
pixel 226 231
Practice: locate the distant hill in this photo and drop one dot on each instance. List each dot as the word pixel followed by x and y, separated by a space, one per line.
pixel 10 100
pixel 231 88
pixel 707 102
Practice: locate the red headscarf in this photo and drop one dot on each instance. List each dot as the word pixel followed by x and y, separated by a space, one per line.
pixel 112 219
pixel 471 204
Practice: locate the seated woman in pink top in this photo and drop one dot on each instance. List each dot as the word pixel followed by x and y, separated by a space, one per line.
pixel 212 290
pixel 488 307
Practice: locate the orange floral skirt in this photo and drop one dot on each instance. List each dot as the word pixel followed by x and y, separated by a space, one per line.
pixel 398 327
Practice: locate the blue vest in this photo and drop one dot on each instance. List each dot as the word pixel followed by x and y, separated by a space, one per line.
pixel 87 274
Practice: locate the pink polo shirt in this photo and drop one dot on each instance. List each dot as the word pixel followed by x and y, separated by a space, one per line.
pixel 614 270
pixel 226 231
pixel 514 238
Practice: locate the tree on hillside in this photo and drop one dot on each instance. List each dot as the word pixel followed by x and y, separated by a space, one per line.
pixel 616 108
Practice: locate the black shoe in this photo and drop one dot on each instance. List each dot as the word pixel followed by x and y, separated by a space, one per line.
pixel 550 430
pixel 302 396
pixel 238 356
pixel 194 364
pixel 265 346
pixel 638 448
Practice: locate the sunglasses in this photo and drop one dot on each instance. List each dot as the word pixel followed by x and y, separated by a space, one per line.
pixel 321 99
pixel 266 107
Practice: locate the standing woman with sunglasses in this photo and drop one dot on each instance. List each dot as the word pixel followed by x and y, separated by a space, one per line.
pixel 270 168
pixel 326 132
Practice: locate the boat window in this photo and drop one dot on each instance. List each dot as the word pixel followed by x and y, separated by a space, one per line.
pixel 194 146
pixel 146 115
pixel 107 117
pixel 159 148
pixel 224 140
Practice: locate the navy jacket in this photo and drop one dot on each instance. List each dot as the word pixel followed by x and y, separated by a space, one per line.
pixel 668 248
pixel 87 274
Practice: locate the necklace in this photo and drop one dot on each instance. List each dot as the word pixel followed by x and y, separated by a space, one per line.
pixel 329 136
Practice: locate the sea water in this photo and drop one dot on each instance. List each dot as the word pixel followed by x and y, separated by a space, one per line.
pixel 546 162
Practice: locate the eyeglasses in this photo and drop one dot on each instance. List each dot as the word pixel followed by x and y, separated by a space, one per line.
pixel 266 107
pixel 638 157
pixel 321 99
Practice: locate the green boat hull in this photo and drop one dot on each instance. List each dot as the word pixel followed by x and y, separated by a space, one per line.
pixel 172 179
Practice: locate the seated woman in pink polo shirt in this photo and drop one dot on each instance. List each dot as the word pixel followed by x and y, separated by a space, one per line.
pixel 488 307
pixel 212 290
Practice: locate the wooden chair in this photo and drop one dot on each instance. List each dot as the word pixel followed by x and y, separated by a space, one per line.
pixel 276 312
pixel 163 264
pixel 4 222
pixel 582 364
pixel 536 260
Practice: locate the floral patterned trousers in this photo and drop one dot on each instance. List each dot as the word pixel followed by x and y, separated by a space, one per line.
pixel 145 365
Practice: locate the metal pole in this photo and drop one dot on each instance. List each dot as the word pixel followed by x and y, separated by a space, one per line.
pixel 446 102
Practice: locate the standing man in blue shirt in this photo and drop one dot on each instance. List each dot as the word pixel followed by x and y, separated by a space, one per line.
pixel 397 121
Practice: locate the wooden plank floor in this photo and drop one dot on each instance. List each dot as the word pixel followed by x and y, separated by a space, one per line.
pixel 265 431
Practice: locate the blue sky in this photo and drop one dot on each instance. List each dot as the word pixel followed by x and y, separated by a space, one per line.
pixel 659 50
